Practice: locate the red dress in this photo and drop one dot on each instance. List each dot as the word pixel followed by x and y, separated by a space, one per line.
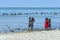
pixel 46 24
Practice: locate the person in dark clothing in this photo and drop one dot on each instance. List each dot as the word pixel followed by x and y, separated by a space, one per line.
pixel 32 23
pixel 49 23
pixel 33 19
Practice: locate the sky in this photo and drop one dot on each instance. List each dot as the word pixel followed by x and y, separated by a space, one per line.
pixel 29 3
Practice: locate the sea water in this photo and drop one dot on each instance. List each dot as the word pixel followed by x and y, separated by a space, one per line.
pixel 17 23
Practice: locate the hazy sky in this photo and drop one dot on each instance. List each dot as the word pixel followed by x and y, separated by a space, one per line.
pixel 29 3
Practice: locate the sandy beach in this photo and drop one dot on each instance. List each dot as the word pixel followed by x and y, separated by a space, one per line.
pixel 34 35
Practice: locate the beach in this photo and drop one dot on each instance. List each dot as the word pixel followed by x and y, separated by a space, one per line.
pixel 32 35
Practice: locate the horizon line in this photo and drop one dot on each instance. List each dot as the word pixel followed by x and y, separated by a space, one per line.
pixel 29 7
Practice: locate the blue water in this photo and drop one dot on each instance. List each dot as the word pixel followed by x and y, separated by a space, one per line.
pixel 9 22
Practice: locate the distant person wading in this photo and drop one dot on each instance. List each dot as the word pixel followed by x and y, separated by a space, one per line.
pixel 47 24
pixel 31 22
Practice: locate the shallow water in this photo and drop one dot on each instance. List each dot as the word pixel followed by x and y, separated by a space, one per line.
pixel 20 22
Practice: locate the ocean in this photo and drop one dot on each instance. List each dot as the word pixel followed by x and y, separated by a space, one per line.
pixel 17 19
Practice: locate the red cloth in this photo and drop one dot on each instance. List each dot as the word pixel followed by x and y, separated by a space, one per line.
pixel 46 23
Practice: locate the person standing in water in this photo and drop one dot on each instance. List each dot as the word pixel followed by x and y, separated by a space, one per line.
pixel 31 21
pixel 49 23
pixel 46 24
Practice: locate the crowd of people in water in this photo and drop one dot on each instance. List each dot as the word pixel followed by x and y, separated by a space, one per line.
pixel 47 24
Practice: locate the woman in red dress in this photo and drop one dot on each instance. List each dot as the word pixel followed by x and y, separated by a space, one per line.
pixel 46 23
